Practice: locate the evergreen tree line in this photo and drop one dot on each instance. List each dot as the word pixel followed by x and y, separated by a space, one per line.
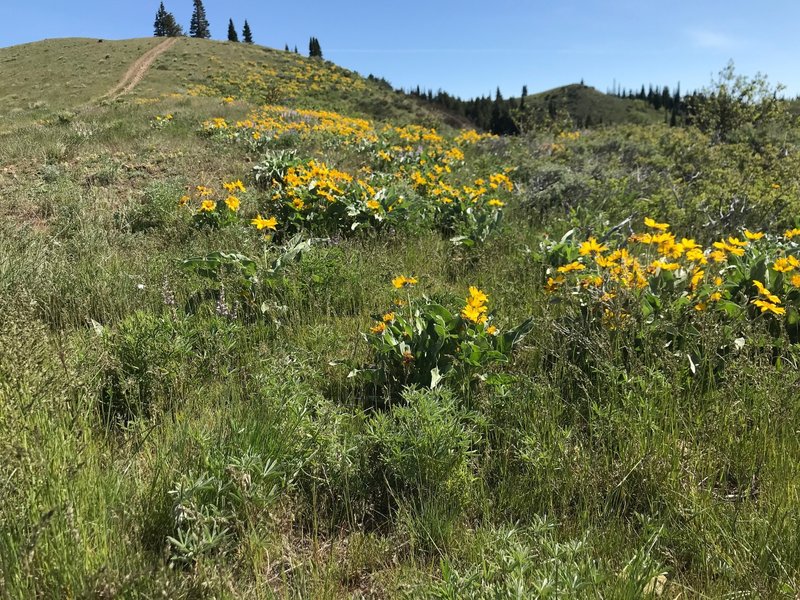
pixel 677 109
pixel 314 49
pixel 493 115
pixel 497 115
pixel 165 25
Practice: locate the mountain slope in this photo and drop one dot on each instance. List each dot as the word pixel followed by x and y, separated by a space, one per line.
pixel 57 74
pixel 54 75
pixel 590 107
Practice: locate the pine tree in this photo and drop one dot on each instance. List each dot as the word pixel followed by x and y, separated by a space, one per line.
pixel 247 35
pixel 165 24
pixel 314 49
pixel 232 35
pixel 158 26
pixel 171 26
pixel 286 49
pixel 296 51
pixel 198 27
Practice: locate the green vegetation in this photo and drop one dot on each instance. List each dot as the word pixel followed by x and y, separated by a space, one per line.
pixel 273 330
pixel 165 24
pixel 314 49
pixel 247 35
pixel 232 35
pixel 198 27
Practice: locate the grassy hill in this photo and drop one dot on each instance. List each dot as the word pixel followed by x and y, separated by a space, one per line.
pixel 266 333
pixel 45 77
pixel 57 74
pixel 587 105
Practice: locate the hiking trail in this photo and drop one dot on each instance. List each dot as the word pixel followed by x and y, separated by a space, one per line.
pixel 138 70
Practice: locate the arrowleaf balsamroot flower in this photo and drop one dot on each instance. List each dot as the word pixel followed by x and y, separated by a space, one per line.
pixel 592 246
pixel 262 223
pixel 573 266
pixel 475 309
pixel 769 306
pixel 233 186
pixel 785 264
pixel 402 281
pixel 208 206
pixel 232 203
pixel 653 225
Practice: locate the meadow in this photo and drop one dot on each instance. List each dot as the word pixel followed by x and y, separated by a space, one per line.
pixel 271 330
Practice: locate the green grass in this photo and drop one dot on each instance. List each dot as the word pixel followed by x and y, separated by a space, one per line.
pixel 150 448
pixel 55 75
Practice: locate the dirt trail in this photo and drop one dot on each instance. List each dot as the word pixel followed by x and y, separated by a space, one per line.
pixel 138 70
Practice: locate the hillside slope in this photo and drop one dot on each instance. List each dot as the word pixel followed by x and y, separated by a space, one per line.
pixel 57 74
pixel 590 107
pixel 45 77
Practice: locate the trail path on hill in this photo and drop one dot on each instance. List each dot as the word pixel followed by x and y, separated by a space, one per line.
pixel 138 70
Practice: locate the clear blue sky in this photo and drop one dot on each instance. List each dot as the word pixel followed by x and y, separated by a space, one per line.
pixel 470 47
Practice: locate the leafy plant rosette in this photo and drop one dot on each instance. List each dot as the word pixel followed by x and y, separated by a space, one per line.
pixel 423 343
pixel 654 275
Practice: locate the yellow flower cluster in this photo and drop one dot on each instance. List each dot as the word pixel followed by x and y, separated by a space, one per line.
pixel 475 309
pixel 286 75
pixel 705 272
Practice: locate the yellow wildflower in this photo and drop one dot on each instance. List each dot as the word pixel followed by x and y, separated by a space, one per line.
pixel 379 327
pixel 388 317
pixel 496 203
pixel 553 284
pixel 373 204
pixel 208 206
pixel 403 281
pixel 232 202
pixel 573 266
pixel 592 246
pixel 696 255
pixel 664 266
pixel 785 264
pixel 790 233
pixel 474 314
pixel 262 223
pixel 653 225
pixel 762 290
pixel 232 186
pixel 697 277
pixel 753 235
pixel 769 306
pixel 477 297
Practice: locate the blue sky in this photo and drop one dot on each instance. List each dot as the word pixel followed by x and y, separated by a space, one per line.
pixel 469 47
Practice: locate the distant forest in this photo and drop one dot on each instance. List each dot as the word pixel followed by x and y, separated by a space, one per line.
pixel 501 116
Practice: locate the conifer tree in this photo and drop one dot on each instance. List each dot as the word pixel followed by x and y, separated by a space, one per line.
pixel 165 24
pixel 198 27
pixel 296 51
pixel 286 48
pixel 314 49
pixel 158 26
pixel 171 26
pixel 247 35
pixel 232 35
